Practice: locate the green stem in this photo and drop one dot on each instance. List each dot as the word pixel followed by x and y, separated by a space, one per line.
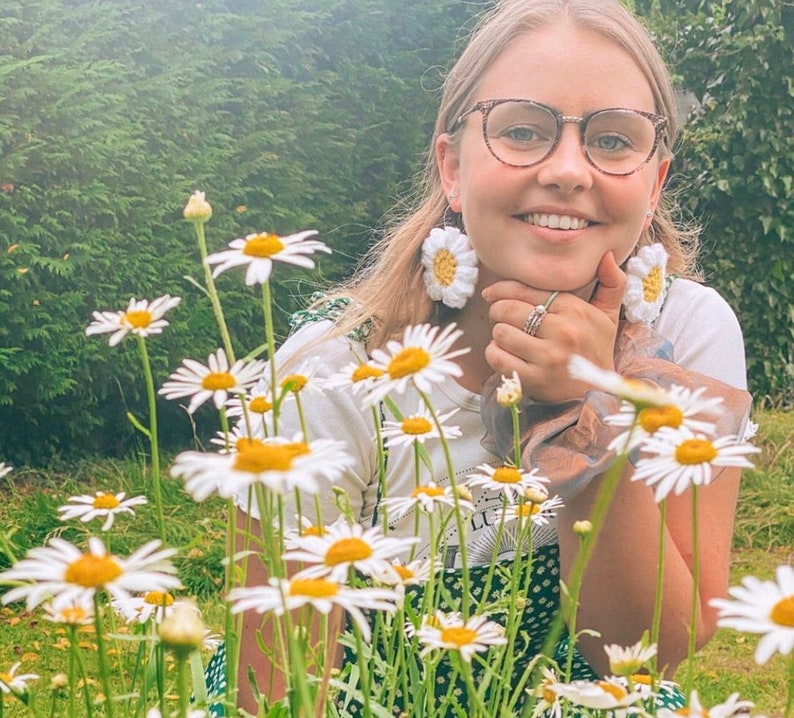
pixel 657 606
pixel 464 559
pixel 182 685
pixel 78 661
pixel 104 674
pixel 790 696
pixel 153 439
pixel 690 659
pixel 270 338
pixel 213 292
pixel 516 437
pixel 232 644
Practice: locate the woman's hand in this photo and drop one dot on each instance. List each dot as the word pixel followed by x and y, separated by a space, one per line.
pixel 571 326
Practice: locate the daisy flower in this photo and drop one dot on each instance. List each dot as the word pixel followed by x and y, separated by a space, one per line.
pixel 214 381
pixel 69 576
pixel 626 661
pixel 103 503
pixel 237 437
pixel 302 378
pixel 635 391
pixel 5 469
pixel 304 528
pixel 10 682
pixel 258 252
pixel 192 713
pixel 509 480
pixel 450 266
pixel 359 377
pixel 419 426
pixel 422 358
pixel 550 703
pixel 277 463
pixel 414 573
pixel 685 405
pixel 322 593
pixel 763 607
pixel 509 392
pixel 428 498
pixel 540 513
pixel 70 614
pixel 680 459
pixel 344 546
pixel 731 708
pixel 141 608
pixel 141 317
pixel 646 288
pixel 603 694
pixel 449 631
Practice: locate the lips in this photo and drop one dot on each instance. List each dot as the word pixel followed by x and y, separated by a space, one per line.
pixel 556 221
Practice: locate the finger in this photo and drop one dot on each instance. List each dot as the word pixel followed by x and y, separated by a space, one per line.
pixel 510 289
pixel 611 287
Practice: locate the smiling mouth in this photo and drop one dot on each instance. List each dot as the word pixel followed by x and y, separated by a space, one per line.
pixel 556 221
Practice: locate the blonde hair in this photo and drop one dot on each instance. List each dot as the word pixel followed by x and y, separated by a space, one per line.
pixel 389 289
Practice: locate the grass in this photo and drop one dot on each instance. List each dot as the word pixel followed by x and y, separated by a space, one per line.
pixel 764 539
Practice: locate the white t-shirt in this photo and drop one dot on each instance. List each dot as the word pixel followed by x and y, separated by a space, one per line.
pixel 701 327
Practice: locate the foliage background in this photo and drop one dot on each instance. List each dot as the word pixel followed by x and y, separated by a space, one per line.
pixel 295 114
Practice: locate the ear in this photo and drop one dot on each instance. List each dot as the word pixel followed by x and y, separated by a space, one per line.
pixel 448 164
pixel 658 185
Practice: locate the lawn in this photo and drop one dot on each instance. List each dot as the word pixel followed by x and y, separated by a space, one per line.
pixel 764 538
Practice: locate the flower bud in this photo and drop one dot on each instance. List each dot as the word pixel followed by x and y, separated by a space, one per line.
pixel 197 208
pixel 509 392
pixel 59 681
pixel 582 528
pixel 464 492
pixel 183 631
pixel 535 495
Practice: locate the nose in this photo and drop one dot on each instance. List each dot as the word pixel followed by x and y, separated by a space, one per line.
pixel 566 168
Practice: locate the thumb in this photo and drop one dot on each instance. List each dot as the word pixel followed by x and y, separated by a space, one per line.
pixel 608 295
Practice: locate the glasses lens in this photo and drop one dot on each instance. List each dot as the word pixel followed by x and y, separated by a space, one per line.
pixel 619 141
pixel 520 133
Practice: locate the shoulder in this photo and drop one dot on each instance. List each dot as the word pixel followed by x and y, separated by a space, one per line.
pixel 704 332
pixel 316 340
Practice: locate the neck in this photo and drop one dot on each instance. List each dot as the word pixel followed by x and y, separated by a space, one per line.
pixel 473 321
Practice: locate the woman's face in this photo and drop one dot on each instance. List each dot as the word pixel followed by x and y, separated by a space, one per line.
pixel 576 72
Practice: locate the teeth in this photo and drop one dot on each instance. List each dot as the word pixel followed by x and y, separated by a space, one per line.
pixel 556 221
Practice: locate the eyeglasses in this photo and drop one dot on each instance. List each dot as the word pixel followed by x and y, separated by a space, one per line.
pixel 522 133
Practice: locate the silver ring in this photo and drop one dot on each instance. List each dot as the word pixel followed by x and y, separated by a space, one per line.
pixel 537 315
pixel 534 320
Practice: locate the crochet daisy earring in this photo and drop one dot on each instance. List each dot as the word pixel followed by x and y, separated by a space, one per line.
pixel 647 284
pixel 450 266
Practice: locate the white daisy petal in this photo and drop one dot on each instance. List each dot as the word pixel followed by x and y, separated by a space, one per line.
pixel 762 607
pixel 13 682
pixel 509 480
pixel 448 631
pixel 419 427
pixel 102 504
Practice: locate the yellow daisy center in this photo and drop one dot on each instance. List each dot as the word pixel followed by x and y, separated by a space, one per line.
pixel 695 451
pixel 404 573
pixel 260 405
pixel 427 491
pixel 615 691
pixel 258 457
pixel 6 678
pixel 527 510
pixel 158 598
pixel 294 382
pixel 92 571
pixel 138 318
pixel 347 550
pixel 297 448
pixel 458 636
pixel 263 245
pixel 105 501
pixel 314 587
pixel 652 284
pixel 217 380
pixel 507 475
pixel 408 361
pixel 73 614
pixel 654 417
pixel 548 694
pixel 312 531
pixel 703 713
pixel 643 678
pixel 783 612
pixel 415 425
pixel 444 267
pixel 365 371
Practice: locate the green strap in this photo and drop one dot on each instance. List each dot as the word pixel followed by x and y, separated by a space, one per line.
pixel 330 309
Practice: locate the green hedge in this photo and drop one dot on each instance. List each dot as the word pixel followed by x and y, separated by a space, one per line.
pixel 295 115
